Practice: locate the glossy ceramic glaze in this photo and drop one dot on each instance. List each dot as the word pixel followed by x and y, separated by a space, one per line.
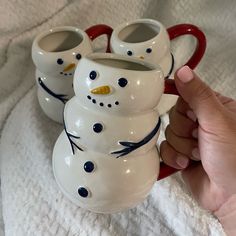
pixel 146 39
pixel 149 40
pixel 106 158
pixel 56 53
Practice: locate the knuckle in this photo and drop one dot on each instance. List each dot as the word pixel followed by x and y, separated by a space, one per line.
pixel 171 114
pixel 163 147
pixel 168 133
pixel 203 92
pixel 180 125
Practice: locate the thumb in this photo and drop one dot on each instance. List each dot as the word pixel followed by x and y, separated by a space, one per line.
pixel 199 96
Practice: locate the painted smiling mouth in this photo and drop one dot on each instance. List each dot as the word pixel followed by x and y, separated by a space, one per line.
pixel 66 74
pixel 101 104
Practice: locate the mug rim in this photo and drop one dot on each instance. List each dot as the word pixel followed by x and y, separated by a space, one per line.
pixel 45 33
pixel 121 27
pixel 152 67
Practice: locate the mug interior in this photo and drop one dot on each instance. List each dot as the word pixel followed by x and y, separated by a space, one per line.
pixel 60 41
pixel 122 64
pixel 139 32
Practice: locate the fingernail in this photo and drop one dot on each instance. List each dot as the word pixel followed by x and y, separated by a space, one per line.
pixel 185 74
pixel 196 154
pixel 182 161
pixel 191 115
pixel 195 133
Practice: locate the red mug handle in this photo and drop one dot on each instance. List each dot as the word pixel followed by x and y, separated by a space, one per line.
pixel 96 30
pixel 166 170
pixel 188 29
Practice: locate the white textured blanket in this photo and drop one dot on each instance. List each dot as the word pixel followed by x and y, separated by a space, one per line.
pixel 32 204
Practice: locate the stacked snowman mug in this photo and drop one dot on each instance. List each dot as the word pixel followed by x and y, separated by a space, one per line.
pixel 106 159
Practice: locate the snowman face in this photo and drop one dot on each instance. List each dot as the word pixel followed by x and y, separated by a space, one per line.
pixel 57 52
pixel 117 84
pixel 60 65
pixel 144 39
pixel 144 52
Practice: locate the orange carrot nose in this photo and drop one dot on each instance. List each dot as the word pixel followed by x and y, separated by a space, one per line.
pixel 69 67
pixel 101 90
pixel 141 57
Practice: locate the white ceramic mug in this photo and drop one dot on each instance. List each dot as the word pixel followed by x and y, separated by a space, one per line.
pixel 149 40
pixel 55 53
pixel 106 159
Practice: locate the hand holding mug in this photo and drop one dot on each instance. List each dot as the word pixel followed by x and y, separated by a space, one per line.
pixel 208 137
pixel 106 159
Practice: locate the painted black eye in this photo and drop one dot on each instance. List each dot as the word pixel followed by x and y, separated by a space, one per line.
pixel 83 192
pixel 122 82
pixel 93 75
pixel 129 53
pixel 148 50
pixel 97 128
pixel 78 56
pixel 88 166
pixel 59 61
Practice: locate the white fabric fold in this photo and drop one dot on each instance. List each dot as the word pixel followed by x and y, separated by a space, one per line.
pixel 31 201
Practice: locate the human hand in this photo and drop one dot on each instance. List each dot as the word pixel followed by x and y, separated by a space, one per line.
pixel 203 128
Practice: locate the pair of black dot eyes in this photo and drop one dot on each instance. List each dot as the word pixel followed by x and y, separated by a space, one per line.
pixel 60 61
pixel 130 53
pixel 122 82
